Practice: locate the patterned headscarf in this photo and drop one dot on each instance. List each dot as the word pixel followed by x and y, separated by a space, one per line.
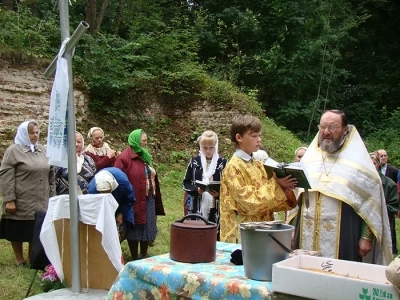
pixel 134 142
pixel 101 151
pixel 93 129
pixel 22 137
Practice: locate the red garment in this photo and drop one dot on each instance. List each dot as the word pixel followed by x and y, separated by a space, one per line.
pixel 134 167
pixel 101 162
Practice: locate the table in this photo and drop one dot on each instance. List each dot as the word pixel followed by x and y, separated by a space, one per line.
pixel 159 277
pixel 98 236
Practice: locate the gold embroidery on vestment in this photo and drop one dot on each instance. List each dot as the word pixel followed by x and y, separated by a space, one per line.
pixel 328 226
pixel 317 222
pixel 338 218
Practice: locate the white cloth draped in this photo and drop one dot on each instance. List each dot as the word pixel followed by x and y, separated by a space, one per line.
pixel 98 210
pixel 57 130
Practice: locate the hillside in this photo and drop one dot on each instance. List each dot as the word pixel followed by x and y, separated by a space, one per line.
pixel 173 124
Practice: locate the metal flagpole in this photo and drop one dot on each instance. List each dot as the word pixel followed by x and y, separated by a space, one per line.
pixel 72 168
pixel 71 129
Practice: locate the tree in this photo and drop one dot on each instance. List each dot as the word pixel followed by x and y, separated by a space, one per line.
pixel 94 17
pixel 7 4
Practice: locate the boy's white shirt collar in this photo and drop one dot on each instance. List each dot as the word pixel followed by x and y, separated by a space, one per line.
pixel 243 155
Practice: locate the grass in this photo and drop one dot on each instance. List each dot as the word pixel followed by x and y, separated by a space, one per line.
pixel 14 282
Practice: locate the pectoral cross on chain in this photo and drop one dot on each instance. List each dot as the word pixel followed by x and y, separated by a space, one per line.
pixel 325 179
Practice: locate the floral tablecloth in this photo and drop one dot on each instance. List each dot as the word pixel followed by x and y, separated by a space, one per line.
pixel 159 277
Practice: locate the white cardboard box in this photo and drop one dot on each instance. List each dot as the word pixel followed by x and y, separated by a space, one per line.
pixel 358 281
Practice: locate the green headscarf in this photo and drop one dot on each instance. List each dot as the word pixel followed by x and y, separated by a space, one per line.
pixel 134 142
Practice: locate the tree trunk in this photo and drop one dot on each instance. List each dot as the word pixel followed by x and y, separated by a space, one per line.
pixel 8 4
pixel 100 16
pixel 119 15
pixel 91 15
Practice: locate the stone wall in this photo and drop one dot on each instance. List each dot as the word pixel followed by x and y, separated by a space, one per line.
pixel 24 95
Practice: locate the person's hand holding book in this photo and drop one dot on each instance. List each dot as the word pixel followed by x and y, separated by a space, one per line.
pixel 213 193
pixel 287 183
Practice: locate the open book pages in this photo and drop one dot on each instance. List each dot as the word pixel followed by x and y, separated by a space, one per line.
pixel 211 185
pixel 296 170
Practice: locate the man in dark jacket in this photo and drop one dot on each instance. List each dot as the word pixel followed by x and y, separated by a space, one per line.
pixel 386 169
pixel 391 197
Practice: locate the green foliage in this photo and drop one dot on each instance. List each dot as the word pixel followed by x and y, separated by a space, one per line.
pixel 278 142
pixel 387 136
pixel 107 64
pixel 186 80
pixel 26 35
pixel 299 55
pixel 178 156
pixel 226 95
pixel 162 62
pixel 296 58
pixel 14 282
pixel 48 286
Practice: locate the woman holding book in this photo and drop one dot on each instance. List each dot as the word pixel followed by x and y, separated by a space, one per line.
pixel 205 167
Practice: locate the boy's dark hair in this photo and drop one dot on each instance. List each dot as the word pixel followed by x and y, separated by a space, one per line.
pixel 242 124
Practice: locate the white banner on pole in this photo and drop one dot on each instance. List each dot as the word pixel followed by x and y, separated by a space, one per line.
pixel 57 130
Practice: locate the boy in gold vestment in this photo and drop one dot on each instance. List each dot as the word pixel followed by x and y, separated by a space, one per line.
pixel 247 194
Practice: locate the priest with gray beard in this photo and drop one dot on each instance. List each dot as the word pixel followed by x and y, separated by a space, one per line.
pixel 344 216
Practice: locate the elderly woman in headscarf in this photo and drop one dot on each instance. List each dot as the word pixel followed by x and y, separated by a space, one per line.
pixel 99 150
pixel 137 163
pixel 206 167
pixel 85 168
pixel 26 183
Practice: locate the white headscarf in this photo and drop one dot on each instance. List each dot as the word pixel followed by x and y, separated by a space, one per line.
pixel 101 151
pixel 207 199
pixel 208 172
pixel 22 137
pixel 105 181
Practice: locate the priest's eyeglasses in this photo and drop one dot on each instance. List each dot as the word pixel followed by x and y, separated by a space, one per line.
pixel 331 127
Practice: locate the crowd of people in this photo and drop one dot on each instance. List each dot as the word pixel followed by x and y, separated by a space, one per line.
pixel 27 181
pixel 349 212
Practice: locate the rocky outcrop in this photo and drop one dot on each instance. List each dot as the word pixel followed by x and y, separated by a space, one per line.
pixel 173 125
pixel 25 95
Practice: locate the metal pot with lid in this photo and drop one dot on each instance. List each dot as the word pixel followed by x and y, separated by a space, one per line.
pixel 193 240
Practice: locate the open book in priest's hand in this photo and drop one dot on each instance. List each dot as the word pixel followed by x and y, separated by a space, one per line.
pixel 296 170
pixel 211 185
